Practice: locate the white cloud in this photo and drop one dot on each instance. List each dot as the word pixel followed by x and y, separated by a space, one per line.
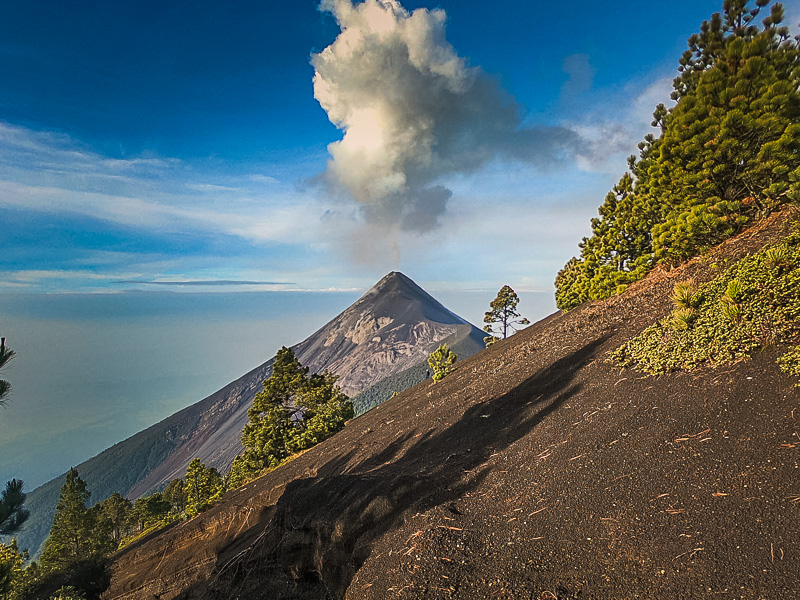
pixel 51 173
pixel 412 111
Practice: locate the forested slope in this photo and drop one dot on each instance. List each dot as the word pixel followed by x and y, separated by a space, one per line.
pixel 728 154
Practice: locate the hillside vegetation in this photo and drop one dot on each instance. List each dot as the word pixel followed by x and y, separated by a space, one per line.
pixel 752 305
pixel 728 154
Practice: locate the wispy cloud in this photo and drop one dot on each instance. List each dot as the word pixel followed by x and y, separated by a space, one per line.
pixel 202 282
pixel 141 219
pixel 47 172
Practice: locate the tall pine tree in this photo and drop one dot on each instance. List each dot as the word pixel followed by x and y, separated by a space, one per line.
pixel 203 487
pixel 76 534
pixel 503 315
pixel 293 412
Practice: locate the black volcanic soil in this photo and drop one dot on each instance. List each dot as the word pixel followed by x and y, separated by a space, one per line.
pixel 537 470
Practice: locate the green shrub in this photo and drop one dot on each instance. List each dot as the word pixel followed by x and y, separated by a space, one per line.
pixel 790 362
pixel 442 361
pixel 733 293
pixel 777 257
pixel 682 318
pixel 731 311
pixel 745 308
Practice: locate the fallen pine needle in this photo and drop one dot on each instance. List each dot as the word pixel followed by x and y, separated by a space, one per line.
pixel 448 527
pixel 413 535
pixel 689 552
pixel 537 511
pixel 577 457
pixel 719 494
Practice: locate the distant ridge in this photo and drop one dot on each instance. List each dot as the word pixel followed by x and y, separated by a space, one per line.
pixel 389 330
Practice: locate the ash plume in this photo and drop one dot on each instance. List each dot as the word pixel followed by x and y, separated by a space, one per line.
pixel 412 111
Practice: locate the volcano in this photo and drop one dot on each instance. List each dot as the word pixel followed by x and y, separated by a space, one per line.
pixel 389 331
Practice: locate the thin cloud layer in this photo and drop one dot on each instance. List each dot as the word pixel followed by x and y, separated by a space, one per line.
pixel 81 220
pixel 52 174
pixel 412 111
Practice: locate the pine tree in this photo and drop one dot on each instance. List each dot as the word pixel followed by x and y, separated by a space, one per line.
pixel 6 354
pixel 12 512
pixel 11 566
pixel 321 410
pixel 293 412
pixel 148 510
pixel 270 423
pixel 74 536
pixel 204 486
pixel 442 362
pixel 116 511
pixel 175 494
pixel 503 315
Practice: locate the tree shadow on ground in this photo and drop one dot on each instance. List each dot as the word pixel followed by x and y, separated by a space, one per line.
pixel 322 529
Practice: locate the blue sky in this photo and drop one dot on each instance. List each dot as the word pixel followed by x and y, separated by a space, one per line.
pixel 149 142
pixel 151 151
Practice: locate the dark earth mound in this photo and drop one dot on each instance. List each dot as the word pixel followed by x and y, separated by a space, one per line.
pixel 537 470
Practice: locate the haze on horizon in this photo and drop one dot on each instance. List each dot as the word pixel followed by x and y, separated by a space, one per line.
pixel 305 147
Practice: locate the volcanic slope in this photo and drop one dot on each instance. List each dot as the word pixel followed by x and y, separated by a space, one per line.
pixel 538 469
pixel 393 327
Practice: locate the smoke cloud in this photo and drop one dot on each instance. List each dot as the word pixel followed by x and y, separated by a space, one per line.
pixel 413 111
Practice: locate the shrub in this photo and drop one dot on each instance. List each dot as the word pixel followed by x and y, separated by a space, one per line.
pixel 682 318
pixel 777 257
pixel 733 293
pixel 442 361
